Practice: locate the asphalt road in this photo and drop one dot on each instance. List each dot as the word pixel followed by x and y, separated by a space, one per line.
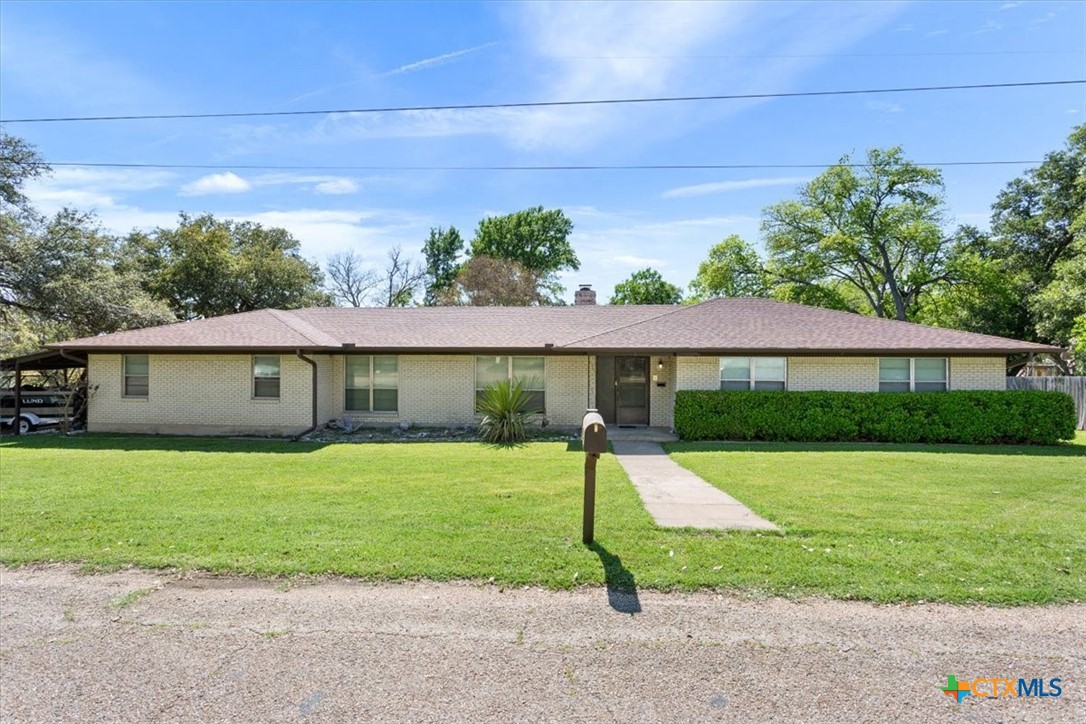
pixel 139 646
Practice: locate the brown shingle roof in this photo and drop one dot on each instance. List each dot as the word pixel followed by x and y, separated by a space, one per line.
pixel 717 326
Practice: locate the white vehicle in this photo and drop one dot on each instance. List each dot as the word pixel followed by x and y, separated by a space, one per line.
pixel 38 408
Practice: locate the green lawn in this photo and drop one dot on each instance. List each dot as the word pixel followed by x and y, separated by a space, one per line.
pixel 1001 525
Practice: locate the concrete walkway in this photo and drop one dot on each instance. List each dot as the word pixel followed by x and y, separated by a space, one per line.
pixel 675 497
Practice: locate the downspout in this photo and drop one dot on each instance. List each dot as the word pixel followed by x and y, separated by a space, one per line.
pixel 312 427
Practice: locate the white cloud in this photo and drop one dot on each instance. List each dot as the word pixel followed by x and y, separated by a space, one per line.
pixel 885 106
pixel 227 182
pixel 720 187
pixel 935 33
pixel 336 187
pixel 437 60
pixel 639 261
pixel 369 232
pixel 1009 6
pixel 98 190
pixel 579 51
pixel 329 185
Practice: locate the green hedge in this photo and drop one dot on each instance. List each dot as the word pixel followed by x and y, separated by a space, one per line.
pixel 974 418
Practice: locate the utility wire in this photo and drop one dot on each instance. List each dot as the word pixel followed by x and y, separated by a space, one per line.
pixel 550 104
pixel 927 54
pixel 589 167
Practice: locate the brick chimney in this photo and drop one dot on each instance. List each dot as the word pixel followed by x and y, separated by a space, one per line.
pixel 584 295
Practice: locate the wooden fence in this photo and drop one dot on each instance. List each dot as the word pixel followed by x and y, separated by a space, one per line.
pixel 1074 386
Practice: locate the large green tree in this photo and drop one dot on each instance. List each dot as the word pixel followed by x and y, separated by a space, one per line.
pixel 646 286
pixel 1039 238
pixel 535 238
pixel 208 267
pixel 60 277
pixel 867 239
pixel 732 269
pixel 1025 278
pixel 442 252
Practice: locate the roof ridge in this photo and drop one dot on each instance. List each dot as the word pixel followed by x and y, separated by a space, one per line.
pixel 304 328
pixel 680 308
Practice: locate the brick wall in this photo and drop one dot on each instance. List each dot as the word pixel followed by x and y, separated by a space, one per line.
pixel 846 374
pixel 661 399
pixel 978 373
pixel 697 373
pixel 198 394
pixel 212 394
pixel 440 390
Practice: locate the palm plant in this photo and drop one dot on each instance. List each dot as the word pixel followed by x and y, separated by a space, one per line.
pixel 506 407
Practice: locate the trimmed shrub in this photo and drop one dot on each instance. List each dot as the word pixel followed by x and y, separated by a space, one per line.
pixel 972 418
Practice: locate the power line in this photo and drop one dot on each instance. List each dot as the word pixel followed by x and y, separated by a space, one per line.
pixel 547 104
pixel 929 54
pixel 586 167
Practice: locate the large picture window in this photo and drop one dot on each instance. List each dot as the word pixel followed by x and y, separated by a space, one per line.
pixel 266 374
pixel 913 374
pixel 136 375
pixel 372 384
pixel 753 373
pixel 529 371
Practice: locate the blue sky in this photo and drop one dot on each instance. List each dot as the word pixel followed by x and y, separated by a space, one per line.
pixel 84 58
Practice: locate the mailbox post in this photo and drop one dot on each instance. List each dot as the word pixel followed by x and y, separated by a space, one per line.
pixel 594 442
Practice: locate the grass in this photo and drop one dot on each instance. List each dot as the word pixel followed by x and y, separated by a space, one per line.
pixel 885 523
pixel 131 597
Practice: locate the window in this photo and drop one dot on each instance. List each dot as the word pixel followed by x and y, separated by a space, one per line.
pixel 529 371
pixel 753 373
pixel 136 375
pixel 266 377
pixel 372 384
pixel 908 374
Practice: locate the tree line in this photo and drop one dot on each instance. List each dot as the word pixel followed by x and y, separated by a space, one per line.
pixel 869 238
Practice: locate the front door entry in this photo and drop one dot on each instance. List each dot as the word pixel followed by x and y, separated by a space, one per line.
pixel 632 390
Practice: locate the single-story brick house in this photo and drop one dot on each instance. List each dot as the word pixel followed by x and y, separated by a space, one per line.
pixel 282 372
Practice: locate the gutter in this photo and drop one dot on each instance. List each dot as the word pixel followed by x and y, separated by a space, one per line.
pixel 313 426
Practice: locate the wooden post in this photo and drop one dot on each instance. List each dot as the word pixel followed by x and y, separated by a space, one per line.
pixel 588 528
pixel 16 422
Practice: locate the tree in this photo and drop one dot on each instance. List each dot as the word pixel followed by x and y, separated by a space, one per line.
pixel 979 293
pixel 400 280
pixel 536 238
pixel 484 281
pixel 646 287
pixel 733 269
pixel 1039 240
pixel 208 267
pixel 868 239
pixel 442 250
pixel 19 162
pixel 349 283
pixel 60 277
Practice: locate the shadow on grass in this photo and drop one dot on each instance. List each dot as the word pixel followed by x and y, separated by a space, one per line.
pixel 133 442
pixel 1060 450
pixel 621 584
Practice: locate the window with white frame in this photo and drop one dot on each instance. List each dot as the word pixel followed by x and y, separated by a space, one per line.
pixel 372 384
pixel 266 375
pixel 136 375
pixel 913 374
pixel 753 373
pixel 529 371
